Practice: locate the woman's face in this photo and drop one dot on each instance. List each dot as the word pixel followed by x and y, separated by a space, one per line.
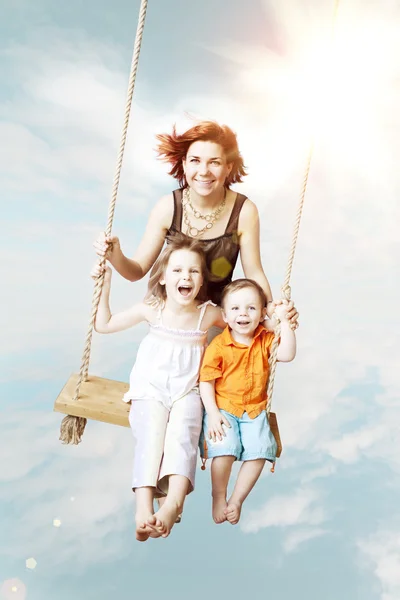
pixel 206 168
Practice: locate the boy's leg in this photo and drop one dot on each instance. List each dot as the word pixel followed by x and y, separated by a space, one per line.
pixel 223 454
pixel 221 468
pixel 258 445
pixel 249 473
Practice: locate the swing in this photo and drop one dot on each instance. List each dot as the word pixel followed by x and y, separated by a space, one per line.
pixel 90 397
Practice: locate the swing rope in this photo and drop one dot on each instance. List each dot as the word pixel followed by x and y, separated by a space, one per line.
pixel 285 289
pixel 72 428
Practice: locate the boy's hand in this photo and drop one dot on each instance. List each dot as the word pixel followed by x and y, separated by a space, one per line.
pixel 282 309
pixel 215 421
pixel 98 270
pixel 292 314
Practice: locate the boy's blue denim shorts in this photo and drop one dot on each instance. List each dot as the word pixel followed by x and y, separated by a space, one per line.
pixel 246 439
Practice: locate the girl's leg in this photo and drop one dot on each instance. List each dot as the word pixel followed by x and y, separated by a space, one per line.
pixel 178 467
pixel 144 510
pixel 148 420
pixel 164 519
pixel 249 473
pixel 221 468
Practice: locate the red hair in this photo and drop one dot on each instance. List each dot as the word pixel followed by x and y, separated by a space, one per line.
pixel 173 148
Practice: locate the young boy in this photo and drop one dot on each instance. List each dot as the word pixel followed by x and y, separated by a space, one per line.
pixel 233 381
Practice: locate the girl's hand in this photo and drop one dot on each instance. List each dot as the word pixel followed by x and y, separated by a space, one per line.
pixel 216 420
pixel 106 246
pixel 98 270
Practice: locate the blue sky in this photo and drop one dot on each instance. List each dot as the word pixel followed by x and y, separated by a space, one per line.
pixel 326 525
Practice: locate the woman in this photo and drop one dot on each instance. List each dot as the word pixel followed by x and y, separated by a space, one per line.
pixel 206 161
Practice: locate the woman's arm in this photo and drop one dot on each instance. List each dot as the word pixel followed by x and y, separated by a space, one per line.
pixel 149 248
pixel 249 242
pixel 108 323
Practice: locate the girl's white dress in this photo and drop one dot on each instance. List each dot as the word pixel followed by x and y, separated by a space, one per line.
pixel 166 410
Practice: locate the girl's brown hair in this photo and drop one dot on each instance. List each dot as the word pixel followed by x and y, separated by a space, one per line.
pixel 173 148
pixel 156 293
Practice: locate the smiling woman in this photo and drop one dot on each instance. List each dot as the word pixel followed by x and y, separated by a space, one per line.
pixel 206 161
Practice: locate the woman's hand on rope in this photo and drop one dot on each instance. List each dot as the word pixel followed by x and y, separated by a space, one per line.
pixel 216 420
pixel 105 246
pixel 292 314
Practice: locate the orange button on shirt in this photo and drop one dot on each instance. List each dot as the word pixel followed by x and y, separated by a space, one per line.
pixel 240 372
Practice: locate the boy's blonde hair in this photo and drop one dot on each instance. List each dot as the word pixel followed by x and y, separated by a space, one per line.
pixel 240 284
pixel 156 293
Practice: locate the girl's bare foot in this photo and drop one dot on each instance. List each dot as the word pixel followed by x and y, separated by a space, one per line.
pixel 164 519
pixel 142 530
pixel 219 508
pixel 160 502
pixel 232 513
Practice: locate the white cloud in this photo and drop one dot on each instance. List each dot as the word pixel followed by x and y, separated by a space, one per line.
pixel 295 538
pixel 382 551
pixel 303 507
pixel 349 447
pixel 76 96
pixel 41 477
pixel 324 471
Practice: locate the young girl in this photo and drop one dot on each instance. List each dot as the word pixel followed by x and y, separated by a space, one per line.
pixel 166 409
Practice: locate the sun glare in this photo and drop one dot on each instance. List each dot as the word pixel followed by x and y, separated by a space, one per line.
pixel 332 89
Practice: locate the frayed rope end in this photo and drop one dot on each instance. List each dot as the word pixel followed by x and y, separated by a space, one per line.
pixel 72 429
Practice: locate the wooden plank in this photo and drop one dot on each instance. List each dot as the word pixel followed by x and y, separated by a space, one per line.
pixel 99 399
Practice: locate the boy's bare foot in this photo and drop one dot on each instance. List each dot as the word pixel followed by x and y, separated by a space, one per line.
pixel 164 519
pixel 219 508
pixel 232 513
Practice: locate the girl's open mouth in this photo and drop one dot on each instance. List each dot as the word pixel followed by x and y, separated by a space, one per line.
pixel 184 290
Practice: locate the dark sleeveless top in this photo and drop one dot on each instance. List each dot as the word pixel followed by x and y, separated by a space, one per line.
pixel 221 252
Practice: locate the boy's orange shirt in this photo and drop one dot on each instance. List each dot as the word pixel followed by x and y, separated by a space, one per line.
pixel 240 372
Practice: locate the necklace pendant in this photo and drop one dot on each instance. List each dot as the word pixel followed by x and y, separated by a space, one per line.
pixel 193 231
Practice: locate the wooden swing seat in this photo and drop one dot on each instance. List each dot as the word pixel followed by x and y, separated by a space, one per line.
pixel 99 399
